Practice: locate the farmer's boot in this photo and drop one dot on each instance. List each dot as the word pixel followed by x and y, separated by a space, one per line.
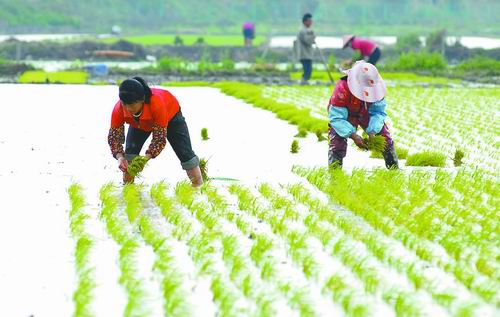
pixel 127 178
pixel 390 157
pixel 334 160
pixel 194 175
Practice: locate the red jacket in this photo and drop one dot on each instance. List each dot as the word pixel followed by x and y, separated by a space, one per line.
pixel 155 117
pixel 342 97
pixel 159 111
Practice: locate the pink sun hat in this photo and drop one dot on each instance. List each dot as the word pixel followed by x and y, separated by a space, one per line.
pixel 365 83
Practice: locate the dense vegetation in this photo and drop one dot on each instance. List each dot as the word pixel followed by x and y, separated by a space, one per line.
pixel 363 16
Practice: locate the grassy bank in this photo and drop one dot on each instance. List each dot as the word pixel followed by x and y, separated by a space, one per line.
pixel 188 39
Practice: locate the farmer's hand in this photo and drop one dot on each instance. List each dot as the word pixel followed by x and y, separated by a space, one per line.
pixel 359 141
pixel 148 156
pixel 122 163
pixel 370 136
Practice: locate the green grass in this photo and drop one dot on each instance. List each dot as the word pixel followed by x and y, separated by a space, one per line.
pixel 426 158
pixel 189 39
pixel 64 77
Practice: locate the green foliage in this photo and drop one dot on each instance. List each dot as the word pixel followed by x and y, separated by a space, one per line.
pixel 426 158
pixel 408 42
pixel 484 65
pixel 187 40
pixel 418 61
pixel 63 77
pixel 204 134
pixel 170 64
pixel 227 63
pixel 136 166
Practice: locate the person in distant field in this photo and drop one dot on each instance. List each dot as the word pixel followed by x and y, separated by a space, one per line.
pixel 358 100
pixel 150 111
pixel 248 33
pixel 369 51
pixel 304 42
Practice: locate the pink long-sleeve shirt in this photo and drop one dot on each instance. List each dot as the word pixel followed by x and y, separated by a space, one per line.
pixel 366 47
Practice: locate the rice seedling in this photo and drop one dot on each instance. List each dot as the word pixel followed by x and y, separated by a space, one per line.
pixel 301 134
pixel 401 152
pixel 204 169
pixel 204 134
pixel 426 158
pixel 268 270
pixel 458 157
pixel 132 197
pixel 185 194
pixel 376 143
pixel 260 249
pixel 136 166
pixel 294 148
pixel 319 135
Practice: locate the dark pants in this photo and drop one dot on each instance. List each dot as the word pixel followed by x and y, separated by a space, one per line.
pixel 375 56
pixel 338 147
pixel 307 66
pixel 177 136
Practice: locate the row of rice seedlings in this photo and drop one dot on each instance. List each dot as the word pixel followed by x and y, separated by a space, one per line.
pixel 117 228
pixel 381 247
pixel 456 223
pixel 262 248
pixel 370 208
pixel 175 300
pixel 84 292
pixel 372 281
pixel 252 94
pixel 261 252
pixel 413 113
pixel 203 246
pixel 426 158
pixel 234 258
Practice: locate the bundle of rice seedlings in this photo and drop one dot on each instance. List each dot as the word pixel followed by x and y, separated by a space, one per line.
pixel 376 143
pixel 457 159
pixel 204 134
pixel 426 158
pixel 204 169
pixel 295 147
pixel 136 166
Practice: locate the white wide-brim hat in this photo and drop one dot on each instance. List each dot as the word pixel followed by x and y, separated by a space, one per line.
pixel 346 39
pixel 365 83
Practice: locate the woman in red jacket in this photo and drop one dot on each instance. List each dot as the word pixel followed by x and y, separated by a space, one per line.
pixel 150 111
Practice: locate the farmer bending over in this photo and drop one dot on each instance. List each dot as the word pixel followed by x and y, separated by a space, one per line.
pixel 303 46
pixel 358 99
pixel 150 110
pixel 368 49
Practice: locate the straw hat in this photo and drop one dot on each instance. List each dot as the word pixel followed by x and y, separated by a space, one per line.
pixel 346 39
pixel 365 82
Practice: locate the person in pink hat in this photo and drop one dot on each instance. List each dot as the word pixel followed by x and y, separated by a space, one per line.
pixel 368 49
pixel 358 100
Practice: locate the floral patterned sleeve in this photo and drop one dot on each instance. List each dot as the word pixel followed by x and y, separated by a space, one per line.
pixel 158 142
pixel 116 138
